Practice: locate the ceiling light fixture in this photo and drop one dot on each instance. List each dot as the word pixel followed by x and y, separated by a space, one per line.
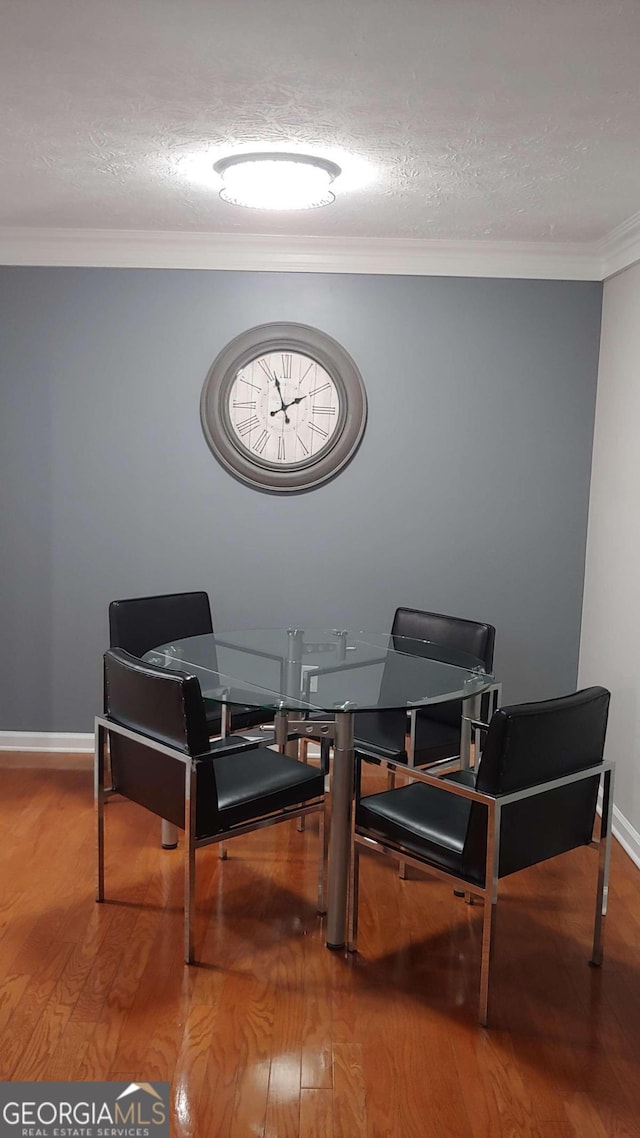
pixel 277 180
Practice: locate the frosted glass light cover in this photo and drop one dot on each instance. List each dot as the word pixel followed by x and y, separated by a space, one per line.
pixel 277 181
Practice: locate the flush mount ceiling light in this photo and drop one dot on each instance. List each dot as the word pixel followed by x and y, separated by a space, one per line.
pixel 277 181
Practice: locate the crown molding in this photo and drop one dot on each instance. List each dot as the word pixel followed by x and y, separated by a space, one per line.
pixel 171 250
pixel 620 248
pixel 146 249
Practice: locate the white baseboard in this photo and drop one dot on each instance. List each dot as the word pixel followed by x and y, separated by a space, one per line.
pixel 628 837
pixel 624 832
pixel 47 742
pixel 46 749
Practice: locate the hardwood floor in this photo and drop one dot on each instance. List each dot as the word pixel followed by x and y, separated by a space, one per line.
pixel 273 1035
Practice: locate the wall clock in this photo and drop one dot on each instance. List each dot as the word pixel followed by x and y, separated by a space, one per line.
pixel 283 407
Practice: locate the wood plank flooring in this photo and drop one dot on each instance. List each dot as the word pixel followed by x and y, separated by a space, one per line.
pixel 272 1034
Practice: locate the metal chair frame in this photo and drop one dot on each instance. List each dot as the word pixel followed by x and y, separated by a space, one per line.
pixel 104 727
pixel 489 892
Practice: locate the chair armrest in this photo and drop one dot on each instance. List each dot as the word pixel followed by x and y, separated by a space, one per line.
pixel 229 745
pixel 419 775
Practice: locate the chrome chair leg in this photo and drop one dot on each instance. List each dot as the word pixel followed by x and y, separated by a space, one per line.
pixel 169 835
pixel 488 928
pixel 604 859
pixel 189 861
pixel 100 748
pixel 492 863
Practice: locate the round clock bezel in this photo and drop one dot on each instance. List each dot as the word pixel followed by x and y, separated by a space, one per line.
pixel 223 440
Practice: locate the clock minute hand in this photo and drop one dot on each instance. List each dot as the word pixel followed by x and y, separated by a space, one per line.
pixel 298 399
pixel 283 405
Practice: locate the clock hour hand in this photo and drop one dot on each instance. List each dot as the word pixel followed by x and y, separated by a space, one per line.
pixel 297 400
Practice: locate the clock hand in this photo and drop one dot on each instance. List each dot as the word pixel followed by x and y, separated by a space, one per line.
pixel 284 405
pixel 278 410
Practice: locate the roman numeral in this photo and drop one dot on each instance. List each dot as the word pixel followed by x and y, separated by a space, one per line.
pixel 281 454
pixel 243 379
pixel 237 403
pixel 265 368
pixel 323 410
pixel 318 430
pixel 286 365
pixel 247 425
pixel 317 390
pixel 261 443
pixel 305 449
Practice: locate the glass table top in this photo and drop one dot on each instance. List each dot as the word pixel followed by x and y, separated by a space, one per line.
pixel 325 670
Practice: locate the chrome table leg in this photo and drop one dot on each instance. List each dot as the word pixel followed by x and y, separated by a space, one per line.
pixel 339 840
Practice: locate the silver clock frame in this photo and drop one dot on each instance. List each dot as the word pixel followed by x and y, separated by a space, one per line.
pixel 216 422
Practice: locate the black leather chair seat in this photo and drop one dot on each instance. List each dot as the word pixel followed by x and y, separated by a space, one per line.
pixel 261 782
pixel 435 741
pixel 241 716
pixel 379 732
pixel 467 778
pixel 426 821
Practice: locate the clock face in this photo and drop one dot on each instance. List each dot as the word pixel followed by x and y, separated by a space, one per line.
pixel 283 407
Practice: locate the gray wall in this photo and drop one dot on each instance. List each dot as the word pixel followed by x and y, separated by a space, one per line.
pixel 468 495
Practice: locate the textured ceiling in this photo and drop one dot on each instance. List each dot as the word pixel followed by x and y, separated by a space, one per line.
pixel 464 119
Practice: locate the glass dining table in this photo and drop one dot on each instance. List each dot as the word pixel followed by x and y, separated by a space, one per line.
pixel 313 682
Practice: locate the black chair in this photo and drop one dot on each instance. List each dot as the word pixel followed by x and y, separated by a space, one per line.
pixel 435 731
pixel 532 797
pixel 139 624
pixel 162 758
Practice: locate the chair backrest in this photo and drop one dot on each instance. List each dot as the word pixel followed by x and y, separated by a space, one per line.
pixel 467 636
pixel 165 706
pixel 528 744
pixel 138 624
pixel 455 635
